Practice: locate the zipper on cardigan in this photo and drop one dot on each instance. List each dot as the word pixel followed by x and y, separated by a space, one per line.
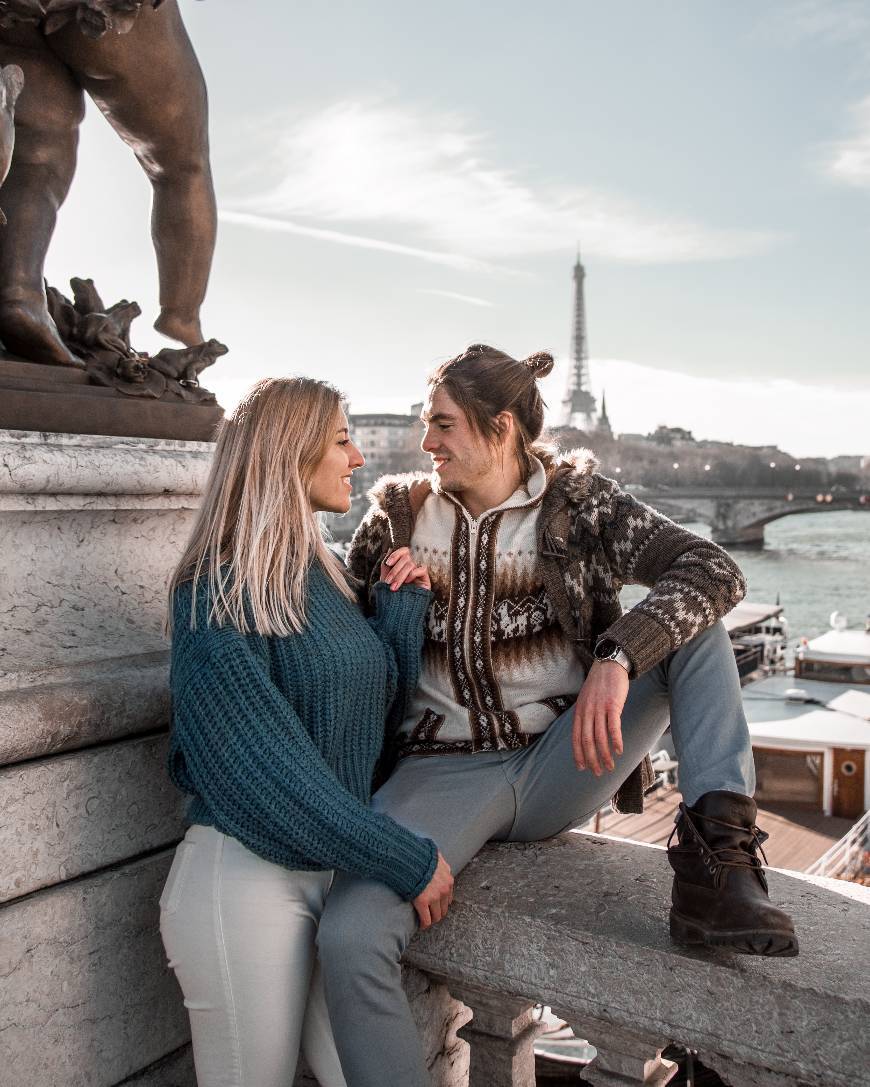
pixel 473 526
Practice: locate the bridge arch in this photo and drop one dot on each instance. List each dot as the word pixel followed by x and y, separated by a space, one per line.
pixel 740 519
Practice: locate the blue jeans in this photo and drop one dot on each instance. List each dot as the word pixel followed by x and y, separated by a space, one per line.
pixel 464 801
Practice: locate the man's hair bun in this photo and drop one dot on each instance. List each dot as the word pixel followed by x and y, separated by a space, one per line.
pixel 540 364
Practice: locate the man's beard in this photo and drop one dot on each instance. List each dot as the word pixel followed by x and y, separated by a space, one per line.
pixel 464 478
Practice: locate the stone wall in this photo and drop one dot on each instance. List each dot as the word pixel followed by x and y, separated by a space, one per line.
pixel 90 528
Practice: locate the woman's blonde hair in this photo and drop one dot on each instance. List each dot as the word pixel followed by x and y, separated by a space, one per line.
pixel 256 535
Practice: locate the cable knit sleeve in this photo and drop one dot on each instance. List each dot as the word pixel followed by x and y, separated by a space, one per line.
pixel 693 582
pixel 398 622
pixel 239 744
pixel 370 543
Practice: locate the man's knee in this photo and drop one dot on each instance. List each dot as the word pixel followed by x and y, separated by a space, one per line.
pixel 360 927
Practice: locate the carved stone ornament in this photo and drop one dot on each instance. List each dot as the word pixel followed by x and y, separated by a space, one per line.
pixel 100 336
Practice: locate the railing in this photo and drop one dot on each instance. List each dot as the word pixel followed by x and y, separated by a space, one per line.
pixel 579 924
pixel 846 855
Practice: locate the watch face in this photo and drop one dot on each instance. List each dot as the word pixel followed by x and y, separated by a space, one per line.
pixel 605 649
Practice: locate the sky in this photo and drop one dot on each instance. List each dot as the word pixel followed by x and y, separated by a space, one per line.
pixel 396 181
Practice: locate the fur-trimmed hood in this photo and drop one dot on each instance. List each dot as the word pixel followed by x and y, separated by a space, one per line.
pixel 572 480
pixel 572 471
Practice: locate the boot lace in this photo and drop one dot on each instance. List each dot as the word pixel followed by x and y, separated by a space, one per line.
pixel 717 860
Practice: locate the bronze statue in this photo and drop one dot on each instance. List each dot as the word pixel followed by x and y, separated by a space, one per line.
pixel 136 62
pixel 11 82
pixel 187 363
pixel 100 336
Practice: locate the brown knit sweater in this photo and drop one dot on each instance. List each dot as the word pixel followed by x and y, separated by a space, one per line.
pixel 592 539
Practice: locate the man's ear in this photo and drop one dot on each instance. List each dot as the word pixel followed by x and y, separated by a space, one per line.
pixel 504 421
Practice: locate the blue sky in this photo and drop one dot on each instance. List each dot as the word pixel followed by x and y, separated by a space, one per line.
pixel 397 181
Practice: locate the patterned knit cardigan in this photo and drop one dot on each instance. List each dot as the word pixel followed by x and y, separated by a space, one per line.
pixel 592 539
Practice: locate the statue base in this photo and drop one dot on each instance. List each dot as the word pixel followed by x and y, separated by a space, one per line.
pixel 62 400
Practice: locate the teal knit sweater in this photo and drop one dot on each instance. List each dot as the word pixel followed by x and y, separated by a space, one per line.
pixel 277 738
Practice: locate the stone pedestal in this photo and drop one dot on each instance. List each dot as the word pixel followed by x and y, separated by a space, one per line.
pixel 63 400
pixel 90 530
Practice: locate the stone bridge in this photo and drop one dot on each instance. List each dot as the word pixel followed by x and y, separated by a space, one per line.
pixel 738 517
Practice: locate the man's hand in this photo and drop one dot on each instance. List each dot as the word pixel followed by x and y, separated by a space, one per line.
pixel 399 568
pixel 432 902
pixel 597 733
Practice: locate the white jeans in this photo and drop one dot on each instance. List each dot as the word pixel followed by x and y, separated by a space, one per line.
pixel 239 932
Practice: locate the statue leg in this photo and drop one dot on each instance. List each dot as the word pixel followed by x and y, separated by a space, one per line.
pixel 47 118
pixel 150 87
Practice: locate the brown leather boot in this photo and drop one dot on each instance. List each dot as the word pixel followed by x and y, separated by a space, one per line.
pixel 720 893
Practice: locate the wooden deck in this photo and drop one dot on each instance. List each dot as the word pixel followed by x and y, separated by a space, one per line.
pixel 798 836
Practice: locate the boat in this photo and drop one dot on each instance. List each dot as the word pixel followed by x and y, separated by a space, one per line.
pixel 759 635
pixel 810 727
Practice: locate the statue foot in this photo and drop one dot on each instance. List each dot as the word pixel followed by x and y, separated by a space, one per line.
pixel 186 330
pixel 29 331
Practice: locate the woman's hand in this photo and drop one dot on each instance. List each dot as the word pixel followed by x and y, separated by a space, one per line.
pixel 432 902
pixel 399 568
pixel 597 732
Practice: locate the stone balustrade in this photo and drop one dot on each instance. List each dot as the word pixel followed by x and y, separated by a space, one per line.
pixel 580 923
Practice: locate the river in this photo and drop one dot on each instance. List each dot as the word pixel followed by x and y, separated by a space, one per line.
pixel 816 563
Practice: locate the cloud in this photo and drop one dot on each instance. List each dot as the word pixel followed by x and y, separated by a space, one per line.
pixel 285 226
pixel 845 22
pixel 848 160
pixel 469 298
pixel 433 179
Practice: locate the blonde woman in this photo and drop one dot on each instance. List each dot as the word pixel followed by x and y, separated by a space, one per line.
pixel 281 690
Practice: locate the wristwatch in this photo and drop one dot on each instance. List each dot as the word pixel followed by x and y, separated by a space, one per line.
pixel 609 650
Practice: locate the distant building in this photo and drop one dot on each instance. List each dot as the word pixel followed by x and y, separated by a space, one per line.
pixel 390 443
pixel 847 464
pixel 672 435
pixel 578 406
pixel 603 428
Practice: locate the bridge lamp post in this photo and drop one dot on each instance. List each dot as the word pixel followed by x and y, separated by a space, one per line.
pixel 676 464
pixel 797 467
pixel 706 467
pixel 773 464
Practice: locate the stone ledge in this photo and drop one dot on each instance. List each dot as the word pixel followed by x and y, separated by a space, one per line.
pixel 72 814
pixel 87 996
pixel 522 927
pixel 43 713
pixel 36 463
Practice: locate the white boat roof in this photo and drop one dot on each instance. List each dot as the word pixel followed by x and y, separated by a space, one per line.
pixel 748 615
pixel 775 722
pixel 852 646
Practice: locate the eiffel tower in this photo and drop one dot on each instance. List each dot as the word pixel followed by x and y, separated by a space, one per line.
pixel 578 406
